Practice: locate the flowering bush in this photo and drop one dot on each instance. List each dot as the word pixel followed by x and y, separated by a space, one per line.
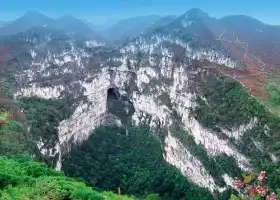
pixel 255 190
pixel 262 177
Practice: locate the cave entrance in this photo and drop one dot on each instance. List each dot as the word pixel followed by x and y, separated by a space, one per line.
pixel 113 94
pixel 119 105
pixel 115 105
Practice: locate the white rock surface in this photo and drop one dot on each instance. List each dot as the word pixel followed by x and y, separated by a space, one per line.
pixel 190 166
pixel 150 81
pixel 42 92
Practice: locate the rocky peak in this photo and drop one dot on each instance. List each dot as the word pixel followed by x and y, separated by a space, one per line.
pixel 195 13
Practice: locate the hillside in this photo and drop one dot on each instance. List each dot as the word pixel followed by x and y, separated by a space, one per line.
pixel 22 178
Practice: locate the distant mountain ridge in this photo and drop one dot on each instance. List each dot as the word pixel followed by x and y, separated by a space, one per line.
pixel 31 19
pixel 3 23
pixel 28 20
pixel 130 27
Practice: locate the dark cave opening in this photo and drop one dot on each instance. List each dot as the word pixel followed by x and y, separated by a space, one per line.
pixel 113 94
pixel 119 105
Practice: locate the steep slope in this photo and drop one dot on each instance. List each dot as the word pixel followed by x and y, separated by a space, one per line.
pixel 184 80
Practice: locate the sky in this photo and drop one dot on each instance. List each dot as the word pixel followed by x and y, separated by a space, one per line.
pixel 102 11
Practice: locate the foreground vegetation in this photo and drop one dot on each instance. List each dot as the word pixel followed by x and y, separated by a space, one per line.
pixel 23 179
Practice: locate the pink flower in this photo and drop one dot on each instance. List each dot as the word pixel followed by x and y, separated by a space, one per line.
pixel 252 190
pixel 238 183
pixel 262 176
pixel 272 196
pixel 261 190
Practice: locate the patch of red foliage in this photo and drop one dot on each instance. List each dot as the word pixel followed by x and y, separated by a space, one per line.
pixel 252 73
pixel 252 77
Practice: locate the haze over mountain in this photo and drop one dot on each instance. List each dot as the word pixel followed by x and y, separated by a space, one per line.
pixel 71 24
pixel 33 19
pixel 3 23
pixel 130 27
pixel 173 107
pixel 29 20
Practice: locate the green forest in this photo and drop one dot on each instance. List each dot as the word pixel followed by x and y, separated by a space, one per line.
pixel 44 115
pixel 133 162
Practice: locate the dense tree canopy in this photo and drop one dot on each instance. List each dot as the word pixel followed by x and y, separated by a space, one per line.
pixel 23 179
pixel 44 115
pixel 110 158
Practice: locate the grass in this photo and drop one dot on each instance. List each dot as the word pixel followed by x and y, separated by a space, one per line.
pixel 4 116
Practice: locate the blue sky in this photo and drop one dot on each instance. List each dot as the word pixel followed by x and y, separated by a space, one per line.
pixel 98 11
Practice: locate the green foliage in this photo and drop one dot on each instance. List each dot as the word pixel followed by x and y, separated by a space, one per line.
pixel 13 126
pixel 44 115
pixel 274 93
pixel 153 197
pixel 273 172
pixel 4 116
pixel 24 179
pixel 228 105
pixel 134 162
pixel 6 88
pixel 233 197
pixel 216 166
pixel 12 139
